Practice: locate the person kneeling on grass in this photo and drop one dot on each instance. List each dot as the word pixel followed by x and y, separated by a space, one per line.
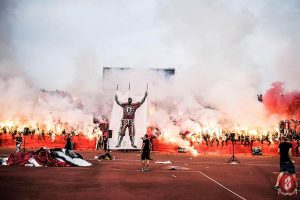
pixel 286 162
pixel 145 157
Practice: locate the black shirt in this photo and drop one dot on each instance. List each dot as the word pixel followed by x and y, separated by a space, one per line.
pixel 146 143
pixel 19 140
pixel 284 151
pixel 68 145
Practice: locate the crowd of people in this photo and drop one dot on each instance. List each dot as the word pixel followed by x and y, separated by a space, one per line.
pixel 288 128
pixel 99 131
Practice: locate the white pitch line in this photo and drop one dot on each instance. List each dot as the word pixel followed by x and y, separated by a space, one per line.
pixel 221 185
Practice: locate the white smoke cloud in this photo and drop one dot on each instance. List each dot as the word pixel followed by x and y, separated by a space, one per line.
pixel 224 52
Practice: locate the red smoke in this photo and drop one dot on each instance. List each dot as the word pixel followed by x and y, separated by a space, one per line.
pixel 279 101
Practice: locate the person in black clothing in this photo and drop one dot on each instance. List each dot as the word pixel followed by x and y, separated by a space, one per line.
pixel 68 145
pixel 286 162
pixel 64 133
pixel 18 142
pixel 247 140
pixel 145 157
pixel 206 138
pixel 260 97
pixel 105 139
pixel 106 156
pixel 43 134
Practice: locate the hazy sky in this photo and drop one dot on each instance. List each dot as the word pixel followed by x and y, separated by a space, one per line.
pixel 56 41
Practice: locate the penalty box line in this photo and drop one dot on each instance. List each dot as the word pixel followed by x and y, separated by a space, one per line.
pixel 213 180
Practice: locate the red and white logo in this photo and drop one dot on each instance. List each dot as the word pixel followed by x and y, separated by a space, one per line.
pixel 287 185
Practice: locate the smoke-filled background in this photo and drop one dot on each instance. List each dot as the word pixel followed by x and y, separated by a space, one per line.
pixel 224 53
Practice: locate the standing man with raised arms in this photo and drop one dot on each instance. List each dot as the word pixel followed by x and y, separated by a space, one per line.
pixel 127 120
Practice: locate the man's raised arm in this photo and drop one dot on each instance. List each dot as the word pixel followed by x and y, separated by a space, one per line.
pixel 117 100
pixel 144 98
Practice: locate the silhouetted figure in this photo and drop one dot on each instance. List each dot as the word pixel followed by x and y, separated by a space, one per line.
pixel 18 142
pixel 260 97
pixel 68 145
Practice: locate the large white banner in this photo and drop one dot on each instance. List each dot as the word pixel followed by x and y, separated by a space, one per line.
pixel 140 122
